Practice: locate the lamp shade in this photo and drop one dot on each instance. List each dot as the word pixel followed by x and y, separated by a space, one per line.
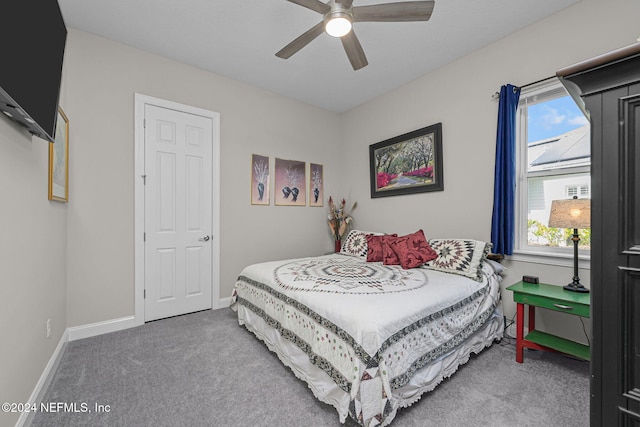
pixel 570 213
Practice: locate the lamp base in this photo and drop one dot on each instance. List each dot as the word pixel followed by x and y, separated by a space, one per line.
pixel 576 287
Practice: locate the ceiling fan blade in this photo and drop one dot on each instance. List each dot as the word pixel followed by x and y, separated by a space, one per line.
pixel 354 50
pixel 346 3
pixel 303 40
pixel 394 12
pixel 316 5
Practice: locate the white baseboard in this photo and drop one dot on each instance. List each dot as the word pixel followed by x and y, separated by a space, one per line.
pixel 223 303
pixel 45 379
pixel 113 325
pixel 99 328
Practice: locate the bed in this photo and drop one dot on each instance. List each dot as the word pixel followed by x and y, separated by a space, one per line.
pixel 370 338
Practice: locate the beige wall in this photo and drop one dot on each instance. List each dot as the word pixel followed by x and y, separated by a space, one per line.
pixel 33 241
pixel 460 96
pixel 105 75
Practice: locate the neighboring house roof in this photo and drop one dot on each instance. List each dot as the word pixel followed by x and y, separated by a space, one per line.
pixel 569 149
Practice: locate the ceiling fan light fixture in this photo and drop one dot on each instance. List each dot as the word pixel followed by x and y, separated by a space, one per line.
pixel 338 25
pixel 339 15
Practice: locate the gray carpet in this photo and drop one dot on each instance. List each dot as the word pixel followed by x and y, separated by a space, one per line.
pixel 203 369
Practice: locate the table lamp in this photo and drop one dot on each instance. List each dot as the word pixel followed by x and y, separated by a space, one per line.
pixel 572 213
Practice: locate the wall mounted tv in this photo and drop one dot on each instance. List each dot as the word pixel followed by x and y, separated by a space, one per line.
pixel 31 70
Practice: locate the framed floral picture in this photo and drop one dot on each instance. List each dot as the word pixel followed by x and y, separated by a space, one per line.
pixel 259 180
pixel 408 163
pixel 316 189
pixel 59 160
pixel 290 183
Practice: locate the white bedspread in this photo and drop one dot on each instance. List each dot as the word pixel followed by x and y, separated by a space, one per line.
pixel 368 326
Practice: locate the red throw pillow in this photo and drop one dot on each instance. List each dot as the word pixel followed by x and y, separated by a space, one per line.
pixel 374 247
pixel 389 256
pixel 413 250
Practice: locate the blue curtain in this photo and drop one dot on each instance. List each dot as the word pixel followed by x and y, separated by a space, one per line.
pixel 503 219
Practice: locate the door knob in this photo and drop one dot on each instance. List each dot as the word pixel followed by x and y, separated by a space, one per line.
pixel 204 239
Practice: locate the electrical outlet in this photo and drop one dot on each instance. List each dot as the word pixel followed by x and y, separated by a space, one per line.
pixel 48 328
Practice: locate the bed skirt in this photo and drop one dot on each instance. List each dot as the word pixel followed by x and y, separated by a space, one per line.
pixel 327 391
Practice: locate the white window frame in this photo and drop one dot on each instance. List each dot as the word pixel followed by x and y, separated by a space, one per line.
pixel 522 251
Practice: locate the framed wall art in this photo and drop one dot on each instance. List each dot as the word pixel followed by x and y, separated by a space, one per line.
pixel 316 188
pixel 290 183
pixel 59 160
pixel 260 180
pixel 408 163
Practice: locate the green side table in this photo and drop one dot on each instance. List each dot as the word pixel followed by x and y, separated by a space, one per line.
pixel 554 298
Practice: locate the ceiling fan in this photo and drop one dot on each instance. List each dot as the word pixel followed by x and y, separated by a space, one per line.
pixel 339 15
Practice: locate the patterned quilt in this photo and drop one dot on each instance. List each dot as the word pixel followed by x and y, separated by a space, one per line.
pixel 368 326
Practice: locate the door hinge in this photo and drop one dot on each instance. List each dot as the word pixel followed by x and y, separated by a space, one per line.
pixel 144 237
pixel 144 123
pixel 144 294
pixel 144 179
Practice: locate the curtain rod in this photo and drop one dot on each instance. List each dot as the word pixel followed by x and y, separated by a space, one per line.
pixel 497 94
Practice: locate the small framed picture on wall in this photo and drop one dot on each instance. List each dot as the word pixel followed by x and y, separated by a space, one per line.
pixel 59 161
pixel 290 183
pixel 316 190
pixel 259 180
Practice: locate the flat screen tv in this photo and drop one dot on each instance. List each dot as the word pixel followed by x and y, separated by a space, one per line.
pixel 31 56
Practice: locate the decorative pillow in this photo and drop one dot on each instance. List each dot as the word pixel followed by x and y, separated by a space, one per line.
pixel 389 256
pixel 374 242
pixel 355 244
pixel 413 250
pixel 459 256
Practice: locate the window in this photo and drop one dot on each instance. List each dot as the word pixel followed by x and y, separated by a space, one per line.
pixel 579 191
pixel 554 159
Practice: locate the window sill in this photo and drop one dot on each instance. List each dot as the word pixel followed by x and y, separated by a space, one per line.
pixel 562 260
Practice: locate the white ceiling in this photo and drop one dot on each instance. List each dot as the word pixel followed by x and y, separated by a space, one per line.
pixel 239 39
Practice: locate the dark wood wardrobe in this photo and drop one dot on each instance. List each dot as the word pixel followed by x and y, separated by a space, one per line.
pixel 609 87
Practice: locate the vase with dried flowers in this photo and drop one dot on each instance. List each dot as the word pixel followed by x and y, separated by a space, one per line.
pixel 339 220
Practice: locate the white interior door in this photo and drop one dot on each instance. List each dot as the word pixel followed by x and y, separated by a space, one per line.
pixel 177 212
